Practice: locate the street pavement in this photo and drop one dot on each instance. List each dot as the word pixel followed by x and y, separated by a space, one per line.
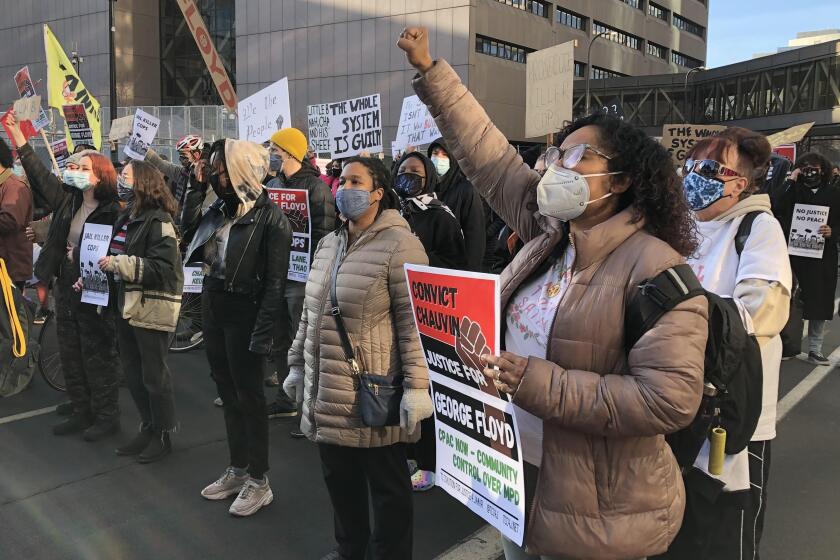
pixel 63 498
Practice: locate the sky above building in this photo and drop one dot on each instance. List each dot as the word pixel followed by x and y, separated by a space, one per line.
pixel 740 28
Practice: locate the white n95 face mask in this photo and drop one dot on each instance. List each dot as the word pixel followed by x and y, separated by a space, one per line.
pixel 564 194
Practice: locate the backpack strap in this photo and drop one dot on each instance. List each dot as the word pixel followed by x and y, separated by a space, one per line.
pixel 657 296
pixel 744 229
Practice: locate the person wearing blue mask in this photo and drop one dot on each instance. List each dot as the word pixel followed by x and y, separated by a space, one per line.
pixel 742 257
pixel 359 268
pixel 86 332
pixel 144 262
pixel 287 158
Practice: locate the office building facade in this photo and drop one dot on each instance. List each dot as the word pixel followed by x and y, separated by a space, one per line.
pixel 337 49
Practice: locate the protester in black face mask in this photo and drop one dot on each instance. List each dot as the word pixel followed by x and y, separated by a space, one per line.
pixel 243 241
pixel 430 219
pixel 810 183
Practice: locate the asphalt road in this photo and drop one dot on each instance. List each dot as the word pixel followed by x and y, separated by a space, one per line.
pixel 63 498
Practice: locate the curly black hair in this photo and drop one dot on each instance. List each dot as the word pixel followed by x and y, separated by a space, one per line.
pixel 656 192
pixel 813 159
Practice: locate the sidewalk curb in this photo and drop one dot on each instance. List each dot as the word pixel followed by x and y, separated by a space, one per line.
pixel 484 544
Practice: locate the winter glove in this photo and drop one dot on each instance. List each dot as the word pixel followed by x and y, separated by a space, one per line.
pixel 416 405
pixel 293 385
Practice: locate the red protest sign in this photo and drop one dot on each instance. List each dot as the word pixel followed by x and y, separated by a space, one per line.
pixel 295 204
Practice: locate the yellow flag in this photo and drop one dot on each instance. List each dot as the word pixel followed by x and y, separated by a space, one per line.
pixel 66 88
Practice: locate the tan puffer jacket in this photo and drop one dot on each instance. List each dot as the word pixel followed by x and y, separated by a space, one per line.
pixel 609 487
pixel 373 297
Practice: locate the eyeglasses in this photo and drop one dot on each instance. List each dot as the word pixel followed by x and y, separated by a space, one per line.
pixel 708 168
pixel 571 156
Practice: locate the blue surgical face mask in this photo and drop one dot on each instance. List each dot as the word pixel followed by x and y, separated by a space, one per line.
pixel 352 203
pixel 441 164
pixel 78 178
pixel 125 191
pixel 275 162
pixel 18 170
pixel 701 191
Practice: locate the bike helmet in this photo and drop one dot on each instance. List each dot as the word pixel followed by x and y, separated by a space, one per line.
pixel 190 142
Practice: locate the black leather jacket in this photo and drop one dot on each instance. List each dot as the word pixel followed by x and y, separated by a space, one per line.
pixel 256 259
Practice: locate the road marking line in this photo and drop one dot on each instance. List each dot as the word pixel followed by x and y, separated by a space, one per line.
pixel 24 415
pixel 804 387
pixel 484 544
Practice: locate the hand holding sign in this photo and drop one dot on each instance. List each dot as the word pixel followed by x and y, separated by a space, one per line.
pixel 28 108
pixel 825 231
pixel 510 370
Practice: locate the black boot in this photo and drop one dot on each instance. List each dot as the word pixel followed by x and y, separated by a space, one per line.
pixel 77 422
pixel 102 429
pixel 64 409
pixel 139 443
pixel 158 448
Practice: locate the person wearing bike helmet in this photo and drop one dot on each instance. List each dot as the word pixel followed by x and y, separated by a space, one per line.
pixel 189 154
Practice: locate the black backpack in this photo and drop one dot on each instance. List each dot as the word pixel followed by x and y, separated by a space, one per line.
pixel 733 375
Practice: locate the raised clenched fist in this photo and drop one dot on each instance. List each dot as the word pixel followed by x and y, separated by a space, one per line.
pixel 415 42
pixel 471 344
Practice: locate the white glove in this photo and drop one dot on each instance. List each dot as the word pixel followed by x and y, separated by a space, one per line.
pixel 293 385
pixel 416 405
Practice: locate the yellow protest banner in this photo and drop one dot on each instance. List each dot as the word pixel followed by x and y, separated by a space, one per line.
pixel 66 88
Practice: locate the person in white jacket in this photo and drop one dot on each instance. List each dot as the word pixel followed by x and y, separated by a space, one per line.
pixel 721 176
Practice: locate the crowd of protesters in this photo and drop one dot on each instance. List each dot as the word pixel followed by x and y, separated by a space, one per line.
pixel 573 235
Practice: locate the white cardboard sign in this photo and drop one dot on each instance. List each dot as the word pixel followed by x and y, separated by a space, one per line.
pixel 805 239
pixel 94 245
pixel 548 98
pixel 355 126
pixel 265 112
pixel 142 135
pixel 318 119
pixel 193 279
pixel 417 127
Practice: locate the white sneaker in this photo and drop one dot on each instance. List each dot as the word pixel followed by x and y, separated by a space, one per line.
pixel 218 401
pixel 251 498
pixel 227 485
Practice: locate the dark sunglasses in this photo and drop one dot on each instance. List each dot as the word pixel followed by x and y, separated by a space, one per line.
pixel 708 168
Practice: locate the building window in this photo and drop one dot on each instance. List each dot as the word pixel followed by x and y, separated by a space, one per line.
pixel 599 73
pixel 657 50
pixel 536 7
pixel 688 25
pixel 571 19
pixel 616 35
pixel 685 60
pixel 657 11
pixel 185 79
pixel 580 69
pixel 633 3
pixel 501 49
